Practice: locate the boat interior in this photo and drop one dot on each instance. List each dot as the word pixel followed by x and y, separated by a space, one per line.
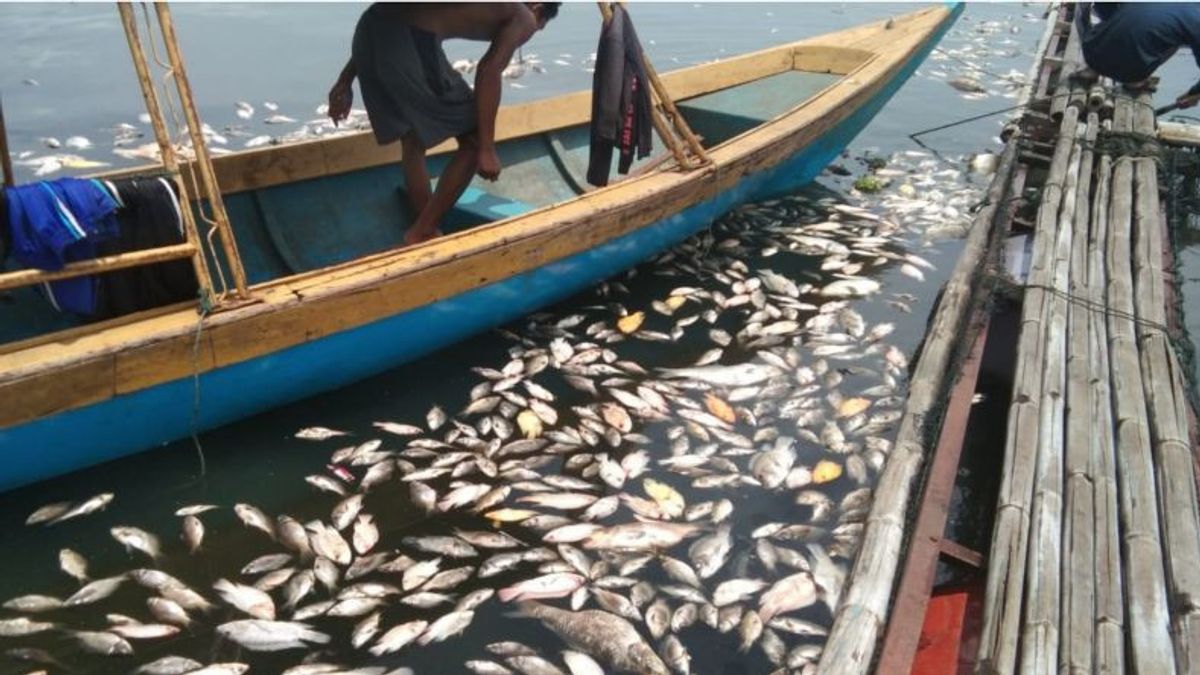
pixel 306 206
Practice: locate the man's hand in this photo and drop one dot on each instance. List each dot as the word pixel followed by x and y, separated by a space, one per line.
pixel 341 97
pixel 489 163
pixel 1187 100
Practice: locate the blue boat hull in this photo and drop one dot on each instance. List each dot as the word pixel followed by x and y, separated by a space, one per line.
pixel 150 417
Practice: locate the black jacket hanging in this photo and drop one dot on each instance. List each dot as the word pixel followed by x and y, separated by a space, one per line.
pixel 620 100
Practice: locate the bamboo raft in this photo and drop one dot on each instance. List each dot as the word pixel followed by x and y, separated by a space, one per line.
pixel 1094 562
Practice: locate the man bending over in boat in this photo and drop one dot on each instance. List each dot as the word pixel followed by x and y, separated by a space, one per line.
pixel 413 95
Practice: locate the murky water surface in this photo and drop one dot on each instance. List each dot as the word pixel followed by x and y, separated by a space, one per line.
pixel 717 497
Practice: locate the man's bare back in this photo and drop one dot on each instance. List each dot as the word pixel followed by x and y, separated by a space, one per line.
pixel 505 26
pixel 468 21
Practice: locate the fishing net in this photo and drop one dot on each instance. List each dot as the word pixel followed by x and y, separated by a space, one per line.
pixel 1179 177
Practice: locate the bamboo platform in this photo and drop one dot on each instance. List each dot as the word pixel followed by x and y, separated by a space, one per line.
pixel 1094 557
pixel 1094 563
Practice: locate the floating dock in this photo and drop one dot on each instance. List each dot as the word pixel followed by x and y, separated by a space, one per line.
pixel 1094 557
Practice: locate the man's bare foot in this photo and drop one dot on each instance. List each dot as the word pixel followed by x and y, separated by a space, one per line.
pixel 1085 76
pixel 1149 84
pixel 413 236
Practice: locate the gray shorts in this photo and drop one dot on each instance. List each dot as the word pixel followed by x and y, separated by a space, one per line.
pixel 407 84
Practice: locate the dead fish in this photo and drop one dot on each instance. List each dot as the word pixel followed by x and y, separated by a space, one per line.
pixel 640 536
pixel 608 638
pixel 144 631
pixel 270 636
pixel 555 585
pixel 446 627
pixel 398 429
pixel 728 376
pixel 168 611
pixel 169 665
pixel 709 553
pixel 74 564
pixel 435 418
pixel 95 591
pixel 23 625
pixel 106 644
pixel 736 590
pixel 253 517
pixel 48 513
pixel 318 433
pixel 326 483
pixel 33 603
pixel 89 506
pixel 247 599
pixel 398 637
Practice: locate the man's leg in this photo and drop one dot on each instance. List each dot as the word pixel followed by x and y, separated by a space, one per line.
pixel 416 174
pixel 450 187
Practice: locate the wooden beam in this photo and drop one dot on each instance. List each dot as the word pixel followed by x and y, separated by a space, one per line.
pixel 165 145
pixel 108 263
pixel 903 632
pixel 211 191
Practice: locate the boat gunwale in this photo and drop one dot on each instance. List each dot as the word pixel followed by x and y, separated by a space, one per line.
pixel 370 273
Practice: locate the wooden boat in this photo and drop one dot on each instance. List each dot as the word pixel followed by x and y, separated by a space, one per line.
pixel 335 299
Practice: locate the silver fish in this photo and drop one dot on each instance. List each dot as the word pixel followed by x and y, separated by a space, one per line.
pixel 398 637
pixel 270 636
pixel 253 517
pixel 95 591
pixel 22 626
pixel 709 553
pixel 169 665
pixel 247 599
pixel 727 376
pixel 193 533
pixel 89 506
pixel 74 564
pixel 33 603
pixel 609 639
pixel 446 627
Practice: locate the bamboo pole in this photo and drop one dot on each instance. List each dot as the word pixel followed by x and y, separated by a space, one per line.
pixel 862 613
pixel 1179 133
pixel 1079 549
pixel 165 146
pixel 1150 646
pixel 668 104
pixel 202 162
pixel 10 178
pixel 1066 92
pixel 1168 414
pixel 1110 603
pixel 1040 632
pixel 1010 534
pixel 656 115
pixel 108 263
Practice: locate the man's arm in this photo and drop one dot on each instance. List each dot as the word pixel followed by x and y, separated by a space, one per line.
pixel 513 33
pixel 341 94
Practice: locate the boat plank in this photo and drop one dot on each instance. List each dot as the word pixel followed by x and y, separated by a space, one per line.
pixel 859 620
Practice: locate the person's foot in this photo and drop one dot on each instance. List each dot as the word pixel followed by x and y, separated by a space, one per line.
pixel 415 236
pixel 1149 84
pixel 1085 77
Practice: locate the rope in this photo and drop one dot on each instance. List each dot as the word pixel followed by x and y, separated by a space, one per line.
pixel 205 308
pixel 171 104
